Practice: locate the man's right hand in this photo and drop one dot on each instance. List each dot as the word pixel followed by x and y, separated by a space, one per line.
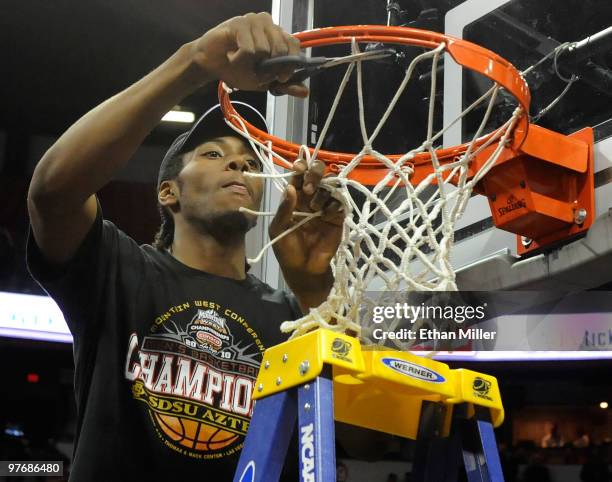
pixel 231 51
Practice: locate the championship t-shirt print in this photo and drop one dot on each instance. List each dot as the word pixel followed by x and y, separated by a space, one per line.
pixel 166 358
pixel 194 373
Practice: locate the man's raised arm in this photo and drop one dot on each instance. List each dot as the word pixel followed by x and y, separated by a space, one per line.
pixel 61 200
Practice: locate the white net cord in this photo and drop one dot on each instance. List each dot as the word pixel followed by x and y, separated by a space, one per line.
pixel 402 246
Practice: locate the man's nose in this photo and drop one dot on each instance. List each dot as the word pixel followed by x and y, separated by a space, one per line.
pixel 238 163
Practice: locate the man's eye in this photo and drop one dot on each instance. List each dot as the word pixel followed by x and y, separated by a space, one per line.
pixel 254 164
pixel 213 154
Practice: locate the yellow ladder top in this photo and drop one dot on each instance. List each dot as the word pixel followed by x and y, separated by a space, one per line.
pixel 378 389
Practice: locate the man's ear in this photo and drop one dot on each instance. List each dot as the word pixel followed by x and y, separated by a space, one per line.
pixel 167 194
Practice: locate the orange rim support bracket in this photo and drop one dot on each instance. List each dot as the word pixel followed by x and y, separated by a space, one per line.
pixel 544 192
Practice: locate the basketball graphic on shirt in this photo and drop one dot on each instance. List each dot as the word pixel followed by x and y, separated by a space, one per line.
pixel 195 435
pixel 197 379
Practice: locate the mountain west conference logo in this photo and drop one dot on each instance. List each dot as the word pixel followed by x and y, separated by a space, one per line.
pixel 196 380
pixel 209 331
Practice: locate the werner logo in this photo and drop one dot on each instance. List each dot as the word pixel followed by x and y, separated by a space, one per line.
pixel 307 452
pixel 412 370
pixel 512 204
pixel 248 474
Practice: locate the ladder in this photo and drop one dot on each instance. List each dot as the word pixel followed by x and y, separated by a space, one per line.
pixel 324 376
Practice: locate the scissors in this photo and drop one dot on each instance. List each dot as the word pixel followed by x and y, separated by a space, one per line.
pixel 305 67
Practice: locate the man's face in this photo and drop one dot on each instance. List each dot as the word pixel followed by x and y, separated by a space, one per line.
pixel 212 183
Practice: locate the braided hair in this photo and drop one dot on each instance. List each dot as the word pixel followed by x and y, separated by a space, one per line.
pixel 165 234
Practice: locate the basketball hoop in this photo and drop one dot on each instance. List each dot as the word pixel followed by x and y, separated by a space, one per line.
pixel 467 54
pixel 410 249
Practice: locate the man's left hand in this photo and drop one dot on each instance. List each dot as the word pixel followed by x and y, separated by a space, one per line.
pixel 305 254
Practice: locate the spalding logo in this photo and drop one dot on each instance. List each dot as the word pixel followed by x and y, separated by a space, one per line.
pixel 248 475
pixel 412 370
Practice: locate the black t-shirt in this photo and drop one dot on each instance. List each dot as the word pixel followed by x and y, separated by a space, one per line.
pixel 166 358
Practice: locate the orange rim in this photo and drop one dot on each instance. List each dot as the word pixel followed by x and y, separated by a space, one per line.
pixel 370 170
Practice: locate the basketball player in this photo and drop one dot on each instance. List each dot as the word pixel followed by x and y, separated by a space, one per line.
pixel 168 338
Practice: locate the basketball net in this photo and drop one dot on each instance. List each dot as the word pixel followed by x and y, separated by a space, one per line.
pixel 401 237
